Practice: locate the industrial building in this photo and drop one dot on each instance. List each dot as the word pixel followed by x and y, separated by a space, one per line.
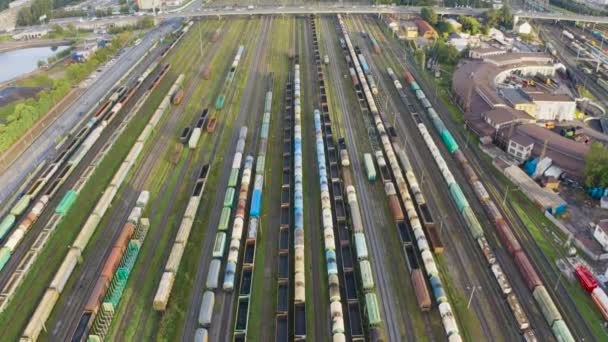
pixel 510 116
pixel 425 30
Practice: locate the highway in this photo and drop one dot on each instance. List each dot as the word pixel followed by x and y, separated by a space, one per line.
pixel 43 146
pixel 197 11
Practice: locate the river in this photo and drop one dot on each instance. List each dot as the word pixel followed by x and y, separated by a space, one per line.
pixel 18 62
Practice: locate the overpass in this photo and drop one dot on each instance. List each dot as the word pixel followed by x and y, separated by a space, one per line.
pixel 325 9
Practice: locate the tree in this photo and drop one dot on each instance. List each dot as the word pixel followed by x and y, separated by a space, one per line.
pixel 492 17
pixel 596 166
pixel 506 17
pixel 469 24
pixel 429 15
pixel 446 54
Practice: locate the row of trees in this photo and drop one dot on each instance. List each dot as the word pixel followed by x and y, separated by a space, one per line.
pixel 30 15
pixel 578 7
pixel 27 112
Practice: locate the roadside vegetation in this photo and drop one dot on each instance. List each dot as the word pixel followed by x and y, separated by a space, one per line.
pixel 20 116
pixel 596 166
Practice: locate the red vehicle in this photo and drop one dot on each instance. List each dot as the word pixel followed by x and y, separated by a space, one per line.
pixel 585 277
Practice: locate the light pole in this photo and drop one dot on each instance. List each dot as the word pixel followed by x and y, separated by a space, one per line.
pixel 504 199
pixel 472 294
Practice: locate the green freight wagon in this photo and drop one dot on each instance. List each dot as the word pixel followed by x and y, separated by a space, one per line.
pixel 224 219
pixel 229 198
pixel 5 254
pixel 219 104
pixel 373 313
pixel 458 196
pixel 21 205
pixel 472 223
pixel 66 202
pixel 369 166
pixel 449 141
pixel 6 224
pixel 234 177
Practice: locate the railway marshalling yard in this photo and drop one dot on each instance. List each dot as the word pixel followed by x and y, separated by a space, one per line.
pixel 280 72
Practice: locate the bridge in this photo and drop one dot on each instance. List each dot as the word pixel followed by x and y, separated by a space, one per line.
pixel 325 9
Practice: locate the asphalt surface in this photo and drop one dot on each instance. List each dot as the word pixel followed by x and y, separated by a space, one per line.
pixel 43 146
pixel 373 205
pixel 470 265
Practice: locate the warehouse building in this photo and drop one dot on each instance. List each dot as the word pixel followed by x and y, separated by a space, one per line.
pixel 551 107
pixel 481 53
pixel 425 30
pixel 508 116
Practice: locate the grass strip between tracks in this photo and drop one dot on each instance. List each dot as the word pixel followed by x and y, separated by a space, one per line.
pixel 272 179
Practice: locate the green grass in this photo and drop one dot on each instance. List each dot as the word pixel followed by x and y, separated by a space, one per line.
pixel 6 37
pixel 42 271
pixel 465 317
pixel 155 325
pixel 272 178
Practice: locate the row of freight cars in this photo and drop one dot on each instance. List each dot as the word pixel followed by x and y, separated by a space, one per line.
pixel 327 214
pixel 298 204
pixel 56 287
pixel 344 284
pixel 60 169
pixel 109 286
pixel 505 233
pixel 284 282
pixel 238 223
pixel 231 72
pixel 161 298
pixel 246 281
pixel 205 318
pixel 447 316
pixel 64 206
pixel 464 208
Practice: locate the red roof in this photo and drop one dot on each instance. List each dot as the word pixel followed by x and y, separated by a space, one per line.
pixel 424 27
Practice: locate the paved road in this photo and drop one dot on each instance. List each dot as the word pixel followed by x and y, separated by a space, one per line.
pixel 43 146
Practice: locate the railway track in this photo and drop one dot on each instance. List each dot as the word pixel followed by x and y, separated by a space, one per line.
pixel 316 303
pixel 252 113
pixel 224 330
pixel 372 210
pixel 468 271
pixel 270 228
pixel 74 298
pixel 536 319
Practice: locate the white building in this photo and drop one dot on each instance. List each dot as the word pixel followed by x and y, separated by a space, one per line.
pixel 520 147
pixel 482 53
pixel 523 28
pixel 558 107
pixel 149 4
pixel 601 234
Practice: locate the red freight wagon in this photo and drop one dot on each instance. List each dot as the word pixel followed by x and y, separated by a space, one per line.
pixel 585 277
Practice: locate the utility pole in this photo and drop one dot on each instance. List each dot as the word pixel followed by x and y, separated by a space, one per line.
pixel 471 297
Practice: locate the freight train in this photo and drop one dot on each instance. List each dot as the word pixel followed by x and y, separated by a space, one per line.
pixel 531 278
pixel 238 224
pixel 60 169
pixel 328 233
pixel 243 309
pixel 102 302
pixel 298 210
pixel 79 245
pixel 165 286
pixel 447 316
